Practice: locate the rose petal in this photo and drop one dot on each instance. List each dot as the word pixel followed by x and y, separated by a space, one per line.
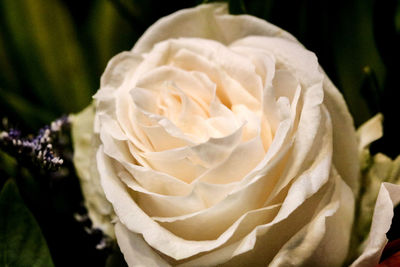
pixel 136 251
pixel 201 197
pixel 389 196
pixel 344 138
pixel 369 132
pixel 325 240
pixel 137 221
pixel 210 21
pixel 262 243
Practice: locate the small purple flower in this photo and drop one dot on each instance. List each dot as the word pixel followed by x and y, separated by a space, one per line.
pixel 38 149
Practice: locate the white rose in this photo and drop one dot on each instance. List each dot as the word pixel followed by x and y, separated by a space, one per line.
pixel 218 140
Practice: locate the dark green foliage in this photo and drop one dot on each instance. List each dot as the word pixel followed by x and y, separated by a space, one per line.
pixel 21 240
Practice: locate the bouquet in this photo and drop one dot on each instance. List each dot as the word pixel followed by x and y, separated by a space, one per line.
pixel 217 140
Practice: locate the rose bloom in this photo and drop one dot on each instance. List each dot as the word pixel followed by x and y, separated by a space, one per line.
pixel 219 140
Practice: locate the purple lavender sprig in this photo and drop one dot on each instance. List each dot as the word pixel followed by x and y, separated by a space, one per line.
pixel 39 149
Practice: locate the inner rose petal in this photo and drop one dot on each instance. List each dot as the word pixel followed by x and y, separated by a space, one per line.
pixel 285 84
pixel 194 84
pixel 241 161
pixel 263 61
pixel 197 155
pixel 229 91
pixel 201 196
pixel 241 227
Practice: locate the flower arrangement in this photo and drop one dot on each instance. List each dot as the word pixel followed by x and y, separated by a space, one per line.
pixel 217 140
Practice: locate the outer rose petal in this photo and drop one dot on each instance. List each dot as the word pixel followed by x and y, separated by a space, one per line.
pixel 210 21
pixel 345 143
pixel 136 251
pixel 324 241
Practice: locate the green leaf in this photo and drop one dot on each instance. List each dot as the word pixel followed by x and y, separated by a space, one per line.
pixel 21 241
pixel 127 8
pixel 41 38
pixel 109 34
pixel 26 111
pixel 116 259
pixel 397 18
pixel 7 76
pixel 371 92
pixel 8 165
pixel 237 7
pixel 142 13
pixel 261 9
pixel 354 49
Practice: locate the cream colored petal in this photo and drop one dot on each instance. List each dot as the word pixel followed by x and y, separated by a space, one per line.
pixel 173 162
pixel 278 151
pixel 157 182
pixel 285 84
pixel 117 148
pixel 126 118
pixel 388 198
pixel 137 221
pixel 241 161
pixel 240 228
pixel 250 196
pixel 137 252
pixel 156 236
pixel 176 163
pixel 216 150
pixel 260 246
pixel 263 61
pixel 345 145
pixel 240 68
pixel 201 197
pixel 292 56
pixel 145 99
pixel 312 133
pixel 308 182
pixel 325 240
pixel 369 132
pixel 229 90
pixel 115 75
pixel 187 163
pixel 210 21
pixel 161 140
pixel 251 119
pixel 195 84
pixel 143 118
pixel 116 72
pixel 296 105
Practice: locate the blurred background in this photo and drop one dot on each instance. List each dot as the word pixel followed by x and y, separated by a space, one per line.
pixel 53 52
